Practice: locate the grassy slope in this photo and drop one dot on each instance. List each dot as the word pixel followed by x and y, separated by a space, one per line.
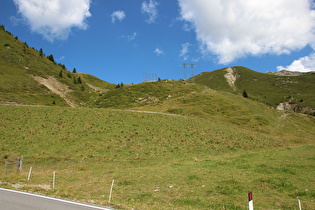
pixel 18 62
pixel 269 89
pixel 159 161
pixel 221 146
pixel 139 95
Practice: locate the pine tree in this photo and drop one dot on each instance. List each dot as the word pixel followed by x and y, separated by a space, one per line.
pixel 245 94
pixel 41 53
pixel 79 80
pixel 60 73
pixel 74 70
pixel 51 58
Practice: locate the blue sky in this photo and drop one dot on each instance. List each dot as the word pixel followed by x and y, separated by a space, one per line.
pixel 130 41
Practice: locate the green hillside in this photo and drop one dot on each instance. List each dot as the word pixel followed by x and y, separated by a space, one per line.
pixel 269 89
pixel 21 69
pixel 167 144
pixel 159 161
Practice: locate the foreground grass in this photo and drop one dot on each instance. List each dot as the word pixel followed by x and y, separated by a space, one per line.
pixel 159 161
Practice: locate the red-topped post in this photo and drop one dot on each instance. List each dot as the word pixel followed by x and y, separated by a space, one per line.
pixel 250 200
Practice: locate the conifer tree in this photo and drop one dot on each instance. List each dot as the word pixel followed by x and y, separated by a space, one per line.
pixel 69 75
pixel 79 80
pixel 41 53
pixel 245 94
pixel 51 58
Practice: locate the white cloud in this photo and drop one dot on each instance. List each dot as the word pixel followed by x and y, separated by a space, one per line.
pixel 158 51
pixel 232 29
pixel 118 15
pixel 304 64
pixel 54 19
pixel 132 36
pixel 185 50
pixel 150 8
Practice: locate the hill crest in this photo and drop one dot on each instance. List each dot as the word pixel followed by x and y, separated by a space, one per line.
pixel 38 80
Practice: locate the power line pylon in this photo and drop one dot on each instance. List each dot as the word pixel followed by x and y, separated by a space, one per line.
pixel 193 72
pixel 185 65
pixel 192 69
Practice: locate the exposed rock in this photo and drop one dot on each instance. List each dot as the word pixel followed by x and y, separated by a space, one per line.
pixel 289 73
pixel 231 77
pixel 289 106
pixel 148 100
pixel 56 87
pixel 94 87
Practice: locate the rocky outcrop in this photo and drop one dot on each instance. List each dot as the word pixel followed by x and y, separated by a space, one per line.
pixel 289 73
pixel 231 77
pixel 289 106
pixel 56 87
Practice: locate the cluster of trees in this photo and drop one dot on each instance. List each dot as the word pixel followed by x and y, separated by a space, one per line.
pixel 121 85
pixel 51 58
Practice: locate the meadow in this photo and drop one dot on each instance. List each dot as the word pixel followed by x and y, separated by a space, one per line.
pixel 160 161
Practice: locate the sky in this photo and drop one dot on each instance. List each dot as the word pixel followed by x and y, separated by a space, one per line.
pixel 131 41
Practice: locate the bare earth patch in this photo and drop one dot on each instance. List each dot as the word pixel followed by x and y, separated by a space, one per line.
pixel 56 87
pixel 231 77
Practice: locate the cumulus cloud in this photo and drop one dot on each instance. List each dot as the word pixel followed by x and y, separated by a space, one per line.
pixel 54 19
pixel 232 29
pixel 304 64
pixel 158 51
pixel 118 15
pixel 150 8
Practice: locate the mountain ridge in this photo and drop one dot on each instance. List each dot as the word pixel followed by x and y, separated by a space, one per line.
pixel 38 80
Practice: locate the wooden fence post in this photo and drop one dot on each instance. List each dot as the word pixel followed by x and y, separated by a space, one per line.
pixel 17 165
pixel 5 166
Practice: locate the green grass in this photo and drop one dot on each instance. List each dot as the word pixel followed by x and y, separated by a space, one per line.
pixel 19 62
pixel 215 147
pixel 159 161
pixel 266 88
pixel 151 93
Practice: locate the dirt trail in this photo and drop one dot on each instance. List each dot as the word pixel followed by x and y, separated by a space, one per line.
pixel 56 87
pixel 151 112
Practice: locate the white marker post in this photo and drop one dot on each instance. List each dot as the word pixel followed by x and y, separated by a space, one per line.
pixel 300 206
pixel 250 200
pixel 53 181
pixel 29 174
pixel 111 190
